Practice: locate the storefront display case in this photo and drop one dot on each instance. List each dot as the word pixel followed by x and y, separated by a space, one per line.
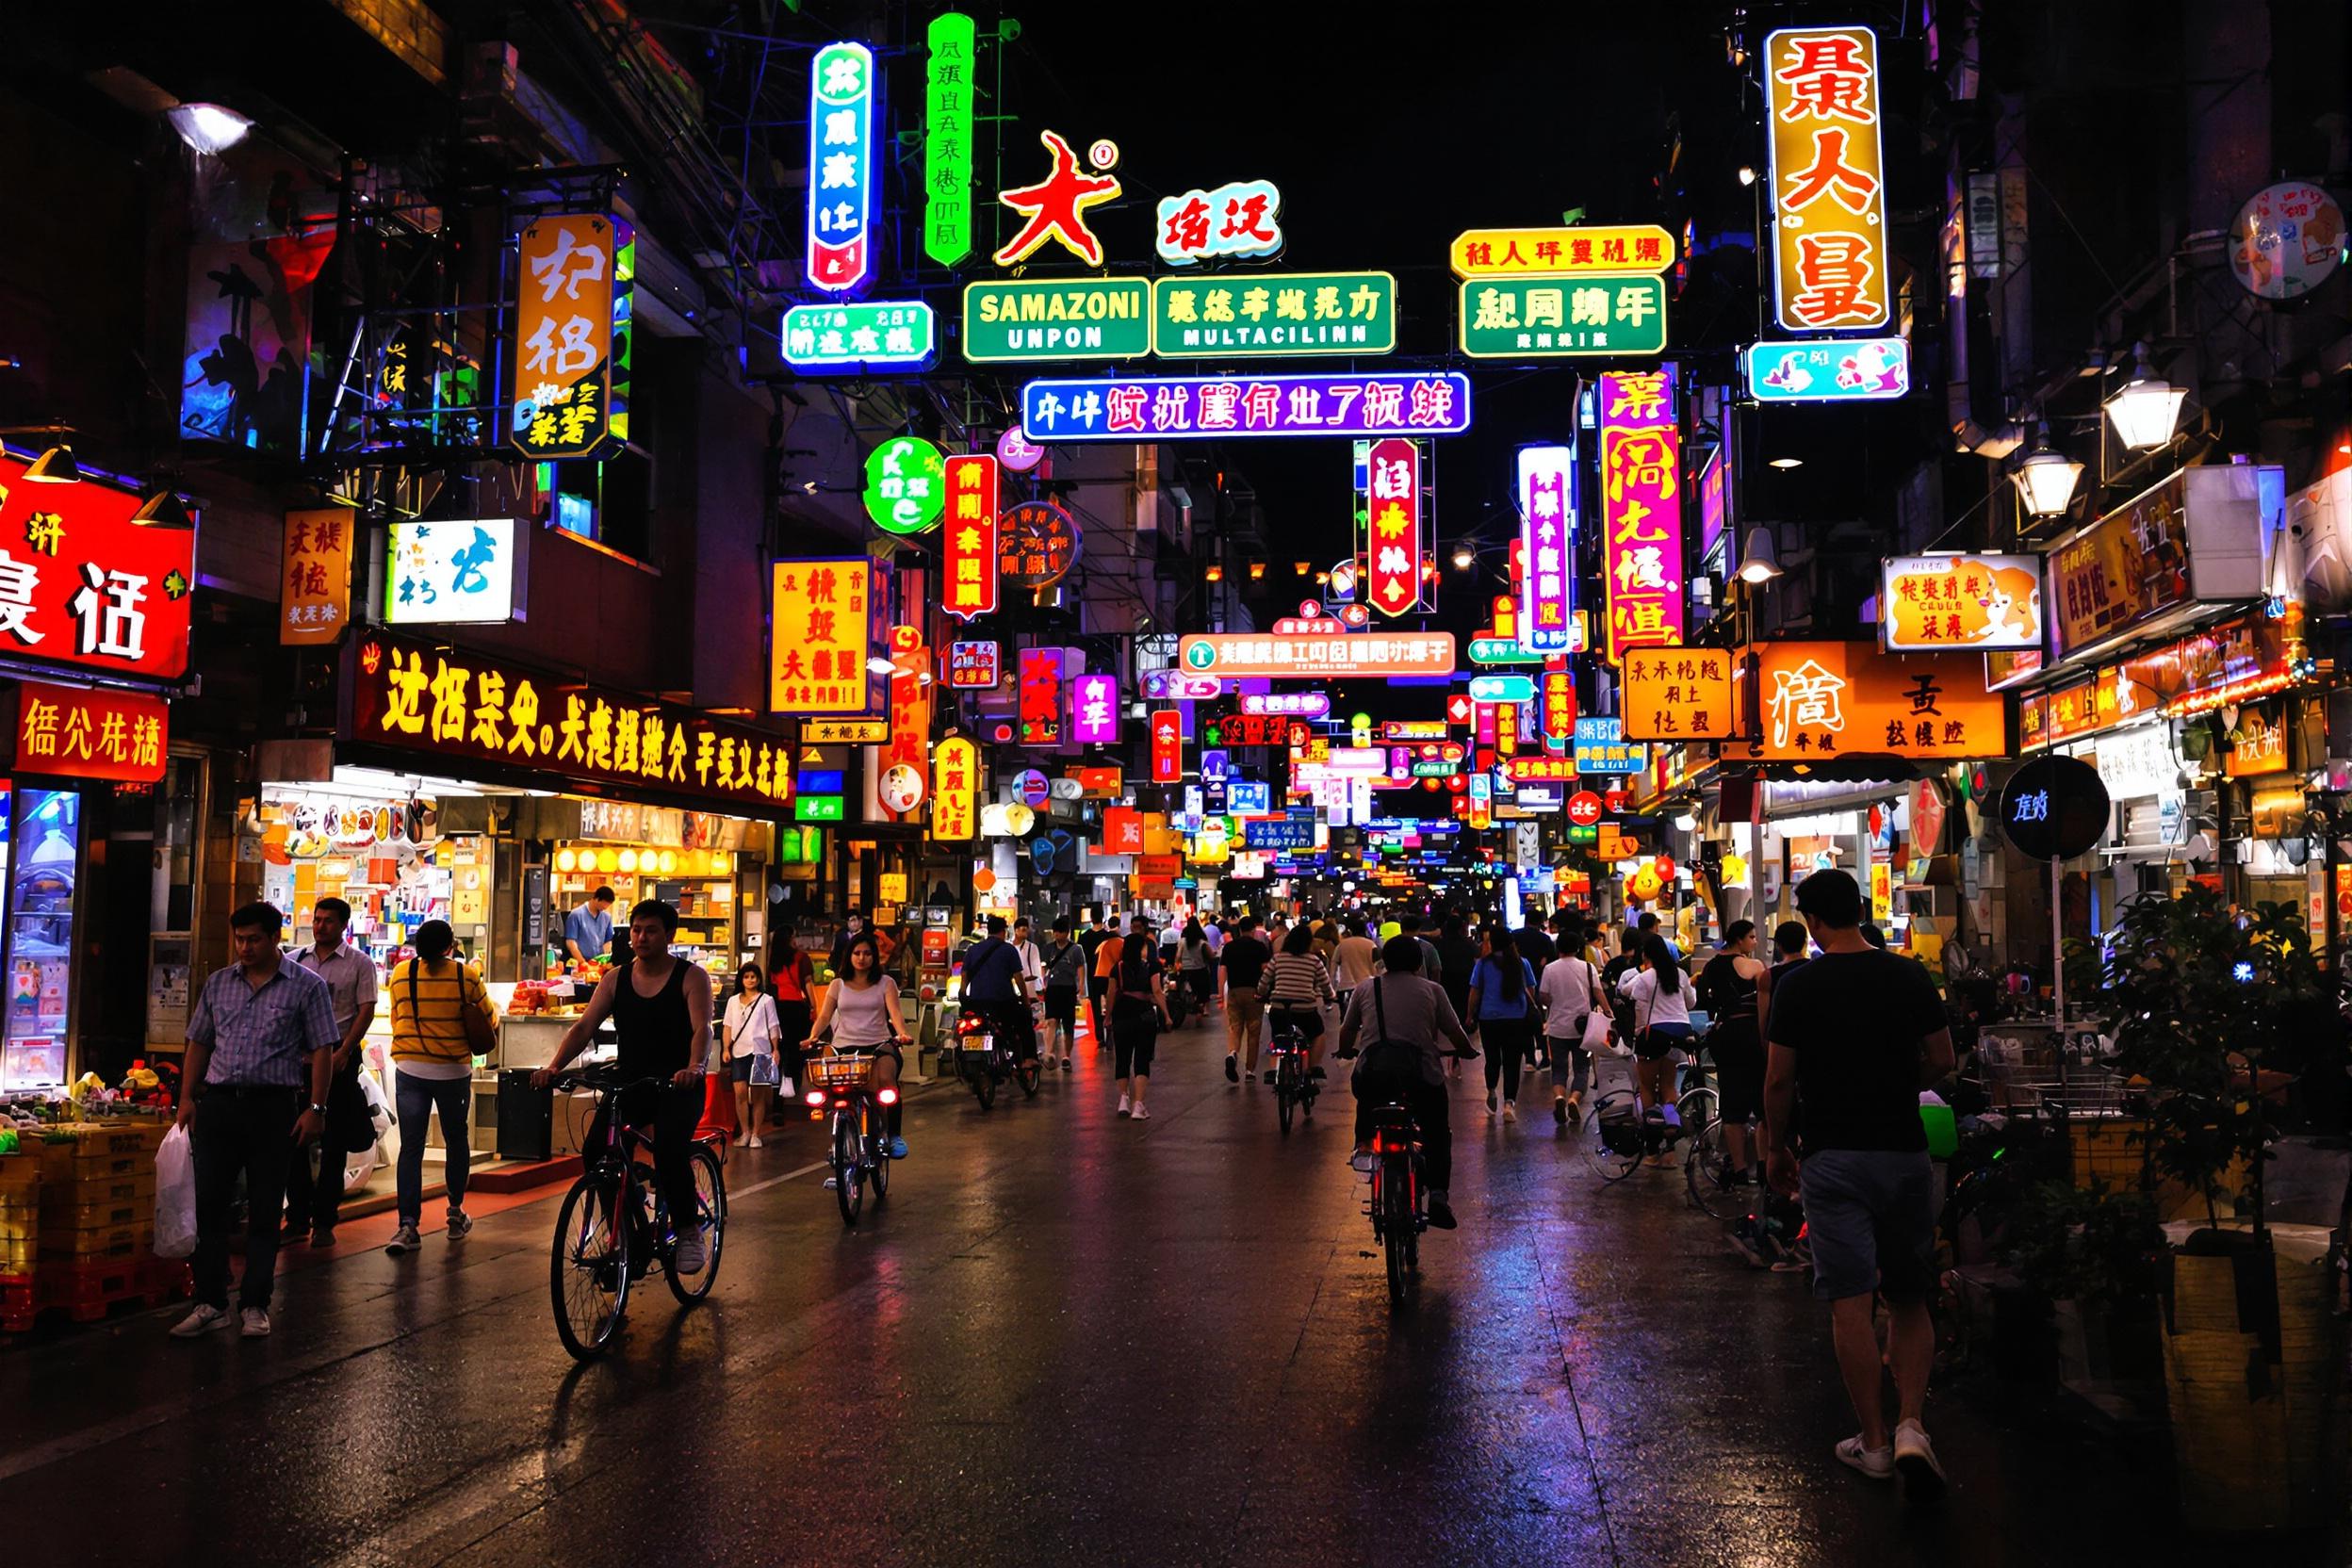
pixel 40 866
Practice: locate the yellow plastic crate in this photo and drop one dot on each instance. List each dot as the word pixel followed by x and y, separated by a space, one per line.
pixel 19 1222
pixel 119 1241
pixel 19 1174
pixel 99 1215
pixel 135 1187
pixel 16 1255
pixel 91 1162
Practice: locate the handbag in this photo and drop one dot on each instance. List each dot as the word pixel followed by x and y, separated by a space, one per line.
pixel 482 1030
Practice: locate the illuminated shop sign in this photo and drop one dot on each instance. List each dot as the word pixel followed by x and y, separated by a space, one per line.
pixel 841 167
pixel 1231 407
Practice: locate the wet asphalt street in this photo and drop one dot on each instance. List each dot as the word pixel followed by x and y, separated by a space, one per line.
pixel 1064 1338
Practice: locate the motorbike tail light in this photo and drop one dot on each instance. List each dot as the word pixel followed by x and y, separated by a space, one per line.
pixel 814 1097
pixel 888 1096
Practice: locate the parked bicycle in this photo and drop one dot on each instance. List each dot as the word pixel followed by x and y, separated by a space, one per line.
pixel 614 1225
pixel 859 1152
pixel 1294 1085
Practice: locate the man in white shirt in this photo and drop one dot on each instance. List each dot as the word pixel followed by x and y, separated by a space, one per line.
pixel 350 977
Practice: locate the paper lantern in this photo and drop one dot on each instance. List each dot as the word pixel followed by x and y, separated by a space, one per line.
pixel 566 859
pixel 628 860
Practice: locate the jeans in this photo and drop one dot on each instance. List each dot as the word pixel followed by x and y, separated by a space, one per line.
pixel 415 1100
pixel 676 1114
pixel 1506 1041
pixel 245 1134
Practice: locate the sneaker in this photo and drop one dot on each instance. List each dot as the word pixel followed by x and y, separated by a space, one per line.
pixel 1122 1105
pixel 692 1253
pixel 1576 1107
pixel 201 1320
pixel 832 1184
pixel 1559 1112
pixel 1441 1215
pixel 403 1240
pixel 1142 1114
pixel 1511 1112
pixel 1489 1107
pixel 898 1148
pixel 1251 1076
pixel 323 1237
pixel 1915 1457
pixel 1065 1064
pixel 755 1142
pixel 1877 1464
pixel 1232 1069
pixel 254 1323
pixel 461 1224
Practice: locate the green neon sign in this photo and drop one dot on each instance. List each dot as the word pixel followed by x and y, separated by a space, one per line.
pixel 904 486
pixel 1245 313
pixel 1057 319
pixel 817 808
pixel 1563 317
pixel 1501 650
pixel 948 71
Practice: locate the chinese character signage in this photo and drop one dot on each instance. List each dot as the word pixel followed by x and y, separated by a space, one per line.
pixel 1294 705
pixel 451 572
pixel 1055 207
pixel 948 84
pixel 860 336
pixel 1239 221
pixel 1607 248
pixel 1123 830
pixel 80 584
pixel 1434 403
pixel 1036 544
pixel 954 789
pixel 1167 746
pixel 905 489
pixel 453 704
pixel 820 636
pixel 1557 719
pixel 1829 371
pixel 567 300
pixel 1600 748
pixel 1928 603
pixel 1829 202
pixel 1040 697
pixel 840 166
pixel 1094 710
pixel 315 595
pixel 1832 699
pixel 1641 511
pixel 1318 654
pixel 902 773
pixel 1277 313
pixel 100 733
pixel 844 732
pixel 1277 833
pixel 1015 319
pixel 2134 564
pixel 1547 523
pixel 1679 694
pixel 973 666
pixel 1394 528
pixel 969 550
pixel 1562 318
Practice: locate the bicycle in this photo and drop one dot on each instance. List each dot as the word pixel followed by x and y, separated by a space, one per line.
pixel 858 1145
pixel 1294 1086
pixel 984 1064
pixel 614 1224
pixel 1398 1203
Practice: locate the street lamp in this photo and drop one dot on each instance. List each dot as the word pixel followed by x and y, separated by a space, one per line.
pixel 2046 477
pixel 1758 562
pixel 2145 408
pixel 209 128
pixel 1464 558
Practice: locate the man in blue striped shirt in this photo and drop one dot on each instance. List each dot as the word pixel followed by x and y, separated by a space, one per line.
pixel 260 1043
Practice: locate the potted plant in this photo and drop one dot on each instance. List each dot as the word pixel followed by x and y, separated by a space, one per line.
pixel 2219 1012
pixel 2089 1255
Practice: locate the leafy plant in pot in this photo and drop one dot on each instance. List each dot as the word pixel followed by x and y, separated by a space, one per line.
pixel 2219 1013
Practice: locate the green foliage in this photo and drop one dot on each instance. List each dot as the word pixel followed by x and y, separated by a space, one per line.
pixel 2095 1247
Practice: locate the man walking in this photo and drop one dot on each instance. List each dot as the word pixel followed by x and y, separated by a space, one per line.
pixel 311 1206
pixel 260 1055
pixel 1245 960
pixel 1063 964
pixel 1855 1034
pixel 588 930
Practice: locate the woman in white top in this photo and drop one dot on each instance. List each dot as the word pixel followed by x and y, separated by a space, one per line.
pixel 752 1035
pixel 861 1010
pixel 1571 991
pixel 1658 998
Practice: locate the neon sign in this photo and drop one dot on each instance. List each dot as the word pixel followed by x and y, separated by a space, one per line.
pixel 1547 522
pixel 1828 174
pixel 840 166
pixel 947 89
pixel 1608 248
pixel 970 552
pixel 1641 511
pixel 1274 313
pixel 904 489
pixel 1241 220
pixel 861 335
pixel 1541 318
pixel 1393 530
pixel 1120 409
pixel 1055 207
pixel 1829 371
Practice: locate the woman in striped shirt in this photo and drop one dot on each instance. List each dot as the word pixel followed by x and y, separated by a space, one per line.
pixel 1297 987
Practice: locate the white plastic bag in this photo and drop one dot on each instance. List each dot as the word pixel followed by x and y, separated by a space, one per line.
pixel 1596 1032
pixel 175 1196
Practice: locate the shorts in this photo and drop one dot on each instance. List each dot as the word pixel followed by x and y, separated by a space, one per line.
pixel 1061 1006
pixel 1870 1215
pixel 1308 1023
pixel 740 1067
pixel 1660 1040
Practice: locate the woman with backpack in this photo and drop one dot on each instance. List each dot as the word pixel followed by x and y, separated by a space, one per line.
pixel 442 1019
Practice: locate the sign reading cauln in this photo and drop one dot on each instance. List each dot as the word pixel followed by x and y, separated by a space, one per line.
pixel 1434 403
pixel 1828 196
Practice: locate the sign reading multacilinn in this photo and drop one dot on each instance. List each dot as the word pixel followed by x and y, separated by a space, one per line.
pixel 1274 313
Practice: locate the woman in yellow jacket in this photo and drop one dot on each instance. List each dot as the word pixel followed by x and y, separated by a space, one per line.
pixel 432 995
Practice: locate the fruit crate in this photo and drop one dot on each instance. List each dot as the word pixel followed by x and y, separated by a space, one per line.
pixel 97 1151
pixel 102 1214
pixel 111 1243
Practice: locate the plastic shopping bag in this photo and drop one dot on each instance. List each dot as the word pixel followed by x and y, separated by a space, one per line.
pixel 1597 1033
pixel 175 1196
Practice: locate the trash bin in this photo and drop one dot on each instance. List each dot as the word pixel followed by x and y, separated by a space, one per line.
pixel 526 1117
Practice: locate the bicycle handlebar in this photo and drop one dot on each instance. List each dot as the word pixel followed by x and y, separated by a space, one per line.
pixel 601 1081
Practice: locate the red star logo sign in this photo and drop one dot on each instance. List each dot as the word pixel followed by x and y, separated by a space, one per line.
pixel 1056 206
pixel 1584 808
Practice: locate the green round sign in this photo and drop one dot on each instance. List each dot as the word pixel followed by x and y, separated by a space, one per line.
pixel 906 489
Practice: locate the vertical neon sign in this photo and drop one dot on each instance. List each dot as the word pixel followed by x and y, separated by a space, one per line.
pixel 841 167
pixel 1394 527
pixel 1641 511
pixel 948 86
pixel 1546 524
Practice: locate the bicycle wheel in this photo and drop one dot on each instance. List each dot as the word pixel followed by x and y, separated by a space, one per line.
pixel 1285 1093
pixel 588 1270
pixel 710 1214
pixel 1027 1075
pixel 849 1170
pixel 1703 1172
pixel 879 1164
pixel 1698 1109
pixel 1613 1135
pixel 1397 1228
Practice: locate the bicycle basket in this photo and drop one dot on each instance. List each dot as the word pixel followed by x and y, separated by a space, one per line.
pixel 839 1072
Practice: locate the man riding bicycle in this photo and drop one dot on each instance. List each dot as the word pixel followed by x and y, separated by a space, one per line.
pixel 996 985
pixel 660 1006
pixel 1399 1016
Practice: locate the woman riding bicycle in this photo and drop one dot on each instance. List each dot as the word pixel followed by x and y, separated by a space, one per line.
pixel 1297 987
pixel 1658 996
pixel 1728 985
pixel 861 1009
pixel 1399 1017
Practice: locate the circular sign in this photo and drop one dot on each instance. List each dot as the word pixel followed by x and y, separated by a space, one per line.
pixel 2287 239
pixel 1036 544
pixel 1019 820
pixel 1016 452
pixel 1041 856
pixel 1584 808
pixel 905 489
pixel 2054 807
pixel 900 788
pixel 1033 788
pixel 1068 789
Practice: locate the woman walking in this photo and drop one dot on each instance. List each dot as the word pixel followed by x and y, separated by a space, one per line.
pixel 752 1034
pixel 1502 1009
pixel 1297 987
pixel 1197 962
pixel 1141 989
pixel 433 995
pixel 861 1009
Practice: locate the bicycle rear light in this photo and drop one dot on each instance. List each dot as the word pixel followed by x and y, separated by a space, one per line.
pixel 814 1097
pixel 888 1096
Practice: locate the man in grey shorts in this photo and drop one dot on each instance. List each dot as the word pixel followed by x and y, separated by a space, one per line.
pixel 1855 1034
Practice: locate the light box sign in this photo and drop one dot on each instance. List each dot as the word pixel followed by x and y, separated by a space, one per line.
pixel 315 595
pixel 968 552
pixel 1228 407
pixel 905 492
pixel 1829 371
pixel 1248 796
pixel 450 573
pixel 1985 603
pixel 1167 746
pixel 974 666
pixel 455 705
pixel 1641 511
pixel 1290 705
pixel 819 635
pixel 1277 833
pixel 1055 207
pixel 1835 699
pixel 1828 192
pixel 1094 710
pixel 949 80
pixel 1599 746
pixel 1036 544
pixel 568 299
pixel 1679 694
pixel 1317 654
pixel 860 336
pixel 97 732
pixel 1537 318
pixel 955 790
pixel 841 167
pixel 1236 221
pixel 1288 314
pixel 1598 248
pixel 1393 543
pixel 1013 321
pixel 1546 526
pixel 1040 698
pixel 80 584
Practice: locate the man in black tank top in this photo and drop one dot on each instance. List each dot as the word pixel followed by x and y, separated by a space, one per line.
pixel 660 1006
